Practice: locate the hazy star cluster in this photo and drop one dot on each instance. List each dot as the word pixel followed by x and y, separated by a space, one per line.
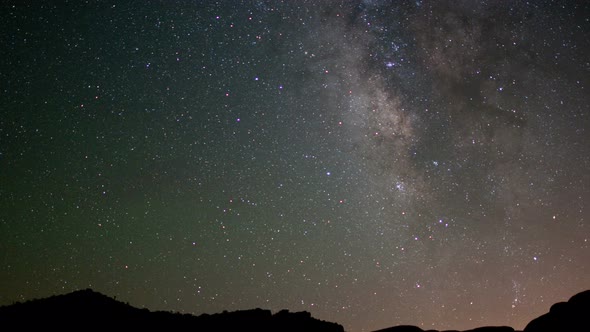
pixel 372 162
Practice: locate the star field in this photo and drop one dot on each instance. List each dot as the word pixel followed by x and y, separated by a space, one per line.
pixel 375 163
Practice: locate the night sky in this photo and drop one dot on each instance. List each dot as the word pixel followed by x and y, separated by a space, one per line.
pixel 375 163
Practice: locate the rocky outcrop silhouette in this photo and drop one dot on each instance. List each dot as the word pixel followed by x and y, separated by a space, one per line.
pixel 570 316
pixel 573 315
pixel 410 328
pixel 87 309
pixel 402 328
pixel 492 329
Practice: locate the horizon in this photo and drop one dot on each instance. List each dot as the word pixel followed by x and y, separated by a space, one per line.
pixel 374 163
pixel 568 318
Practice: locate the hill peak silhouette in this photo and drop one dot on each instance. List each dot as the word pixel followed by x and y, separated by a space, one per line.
pixel 96 310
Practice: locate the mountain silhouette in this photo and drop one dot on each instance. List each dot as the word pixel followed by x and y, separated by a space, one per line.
pixel 410 328
pixel 570 316
pixel 86 309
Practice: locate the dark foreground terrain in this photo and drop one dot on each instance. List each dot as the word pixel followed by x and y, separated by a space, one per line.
pixel 86 309
pixel 570 316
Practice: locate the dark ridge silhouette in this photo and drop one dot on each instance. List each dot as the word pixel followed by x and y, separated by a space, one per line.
pixel 86 309
pixel 492 329
pixel 573 315
pixel 402 328
pixel 410 328
pixel 570 316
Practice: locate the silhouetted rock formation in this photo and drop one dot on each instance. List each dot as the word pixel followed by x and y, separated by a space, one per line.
pixel 402 328
pixel 573 315
pixel 87 309
pixel 570 316
pixel 409 328
pixel 492 329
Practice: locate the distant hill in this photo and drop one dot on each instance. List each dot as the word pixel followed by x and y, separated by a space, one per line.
pixel 570 316
pixel 86 309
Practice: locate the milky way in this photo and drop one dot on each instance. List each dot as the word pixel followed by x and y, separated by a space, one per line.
pixel 375 163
